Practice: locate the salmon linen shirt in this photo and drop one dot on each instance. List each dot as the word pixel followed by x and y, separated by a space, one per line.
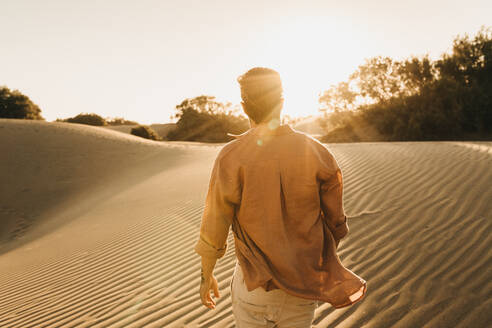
pixel 281 191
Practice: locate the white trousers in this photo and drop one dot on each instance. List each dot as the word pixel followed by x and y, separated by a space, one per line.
pixel 275 308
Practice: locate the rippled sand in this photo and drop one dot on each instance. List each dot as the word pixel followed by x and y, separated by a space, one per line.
pixel 98 228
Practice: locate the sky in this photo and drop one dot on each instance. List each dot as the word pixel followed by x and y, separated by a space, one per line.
pixel 139 59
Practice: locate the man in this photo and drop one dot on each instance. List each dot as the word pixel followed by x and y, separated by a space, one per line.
pixel 281 191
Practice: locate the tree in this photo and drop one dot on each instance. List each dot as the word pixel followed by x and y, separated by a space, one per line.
pixel 415 74
pixel 336 102
pixel 470 65
pixel 13 104
pixel 338 97
pixel 416 98
pixel 378 79
pixel 204 119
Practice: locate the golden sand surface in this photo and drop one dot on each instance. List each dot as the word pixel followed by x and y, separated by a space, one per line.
pixel 98 228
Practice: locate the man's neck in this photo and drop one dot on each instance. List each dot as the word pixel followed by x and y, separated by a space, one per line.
pixel 271 124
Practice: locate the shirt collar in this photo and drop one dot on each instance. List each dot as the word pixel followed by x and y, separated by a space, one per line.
pixel 266 130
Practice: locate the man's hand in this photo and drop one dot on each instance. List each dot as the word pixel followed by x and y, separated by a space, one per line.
pixel 208 283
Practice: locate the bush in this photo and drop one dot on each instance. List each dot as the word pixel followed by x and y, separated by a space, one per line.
pixel 13 104
pixel 418 99
pixel 86 118
pixel 146 132
pixel 120 121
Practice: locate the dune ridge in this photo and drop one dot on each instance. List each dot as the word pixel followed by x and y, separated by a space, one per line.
pixel 50 168
pixel 419 217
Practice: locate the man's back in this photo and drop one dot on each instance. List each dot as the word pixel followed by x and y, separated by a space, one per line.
pixel 282 193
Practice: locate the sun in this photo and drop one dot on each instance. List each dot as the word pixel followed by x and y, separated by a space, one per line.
pixel 300 94
pixel 310 55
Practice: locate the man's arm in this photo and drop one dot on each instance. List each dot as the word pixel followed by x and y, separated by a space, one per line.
pixel 331 197
pixel 222 197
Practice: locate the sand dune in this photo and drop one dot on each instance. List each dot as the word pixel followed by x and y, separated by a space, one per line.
pixel 98 229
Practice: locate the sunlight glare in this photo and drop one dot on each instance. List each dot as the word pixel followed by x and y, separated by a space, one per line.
pixel 310 55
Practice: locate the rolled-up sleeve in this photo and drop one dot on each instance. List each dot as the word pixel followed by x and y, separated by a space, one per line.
pixel 206 249
pixel 331 197
pixel 220 205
